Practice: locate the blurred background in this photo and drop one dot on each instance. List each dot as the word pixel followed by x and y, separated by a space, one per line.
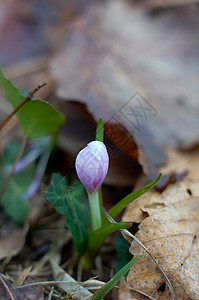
pixel 133 63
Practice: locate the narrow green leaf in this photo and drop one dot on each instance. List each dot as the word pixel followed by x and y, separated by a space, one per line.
pixel 113 281
pixel 114 211
pixel 98 237
pixel 71 202
pixel 100 131
pixel 37 117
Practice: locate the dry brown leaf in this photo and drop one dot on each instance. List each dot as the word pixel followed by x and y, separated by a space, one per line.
pixel 169 226
pixel 114 51
pixel 177 162
pixel 182 161
pixel 9 292
pixel 124 292
pixel 170 233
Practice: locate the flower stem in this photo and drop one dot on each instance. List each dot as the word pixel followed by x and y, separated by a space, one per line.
pixel 96 219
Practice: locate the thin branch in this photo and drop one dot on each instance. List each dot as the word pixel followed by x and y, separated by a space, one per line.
pixel 29 97
pixel 7 179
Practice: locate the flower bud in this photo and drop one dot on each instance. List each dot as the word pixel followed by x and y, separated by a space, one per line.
pixel 92 165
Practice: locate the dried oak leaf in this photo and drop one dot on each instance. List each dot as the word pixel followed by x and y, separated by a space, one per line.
pixel 171 233
pixel 178 162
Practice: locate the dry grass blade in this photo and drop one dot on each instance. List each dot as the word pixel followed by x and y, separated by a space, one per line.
pixel 51 282
pixel 142 293
pixel 22 277
pixel 70 285
pixel 51 293
pixel 129 236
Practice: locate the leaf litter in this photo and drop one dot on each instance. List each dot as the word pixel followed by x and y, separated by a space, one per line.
pixel 169 227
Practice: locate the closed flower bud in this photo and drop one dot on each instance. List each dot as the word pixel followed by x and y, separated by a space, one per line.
pixel 92 165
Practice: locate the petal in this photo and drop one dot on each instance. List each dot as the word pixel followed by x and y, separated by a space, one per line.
pixel 92 165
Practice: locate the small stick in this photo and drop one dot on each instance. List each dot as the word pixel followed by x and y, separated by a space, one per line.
pixel 30 95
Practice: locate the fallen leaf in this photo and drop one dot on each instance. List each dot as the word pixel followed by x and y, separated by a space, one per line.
pixel 178 162
pixel 8 291
pixel 110 70
pixel 169 175
pixel 169 229
pixel 124 291
pixel 182 161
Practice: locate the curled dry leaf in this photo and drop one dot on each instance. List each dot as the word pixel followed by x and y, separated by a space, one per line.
pixel 169 226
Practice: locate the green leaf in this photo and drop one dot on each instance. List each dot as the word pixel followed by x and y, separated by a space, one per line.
pixel 122 247
pixel 100 131
pixel 12 201
pixel 37 117
pixel 101 234
pixel 114 211
pixel 113 281
pixel 97 238
pixel 71 202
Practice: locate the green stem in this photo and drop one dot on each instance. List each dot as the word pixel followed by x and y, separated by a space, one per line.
pixel 96 219
pixel 88 261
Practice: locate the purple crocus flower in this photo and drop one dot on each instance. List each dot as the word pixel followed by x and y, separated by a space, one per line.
pixel 92 165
